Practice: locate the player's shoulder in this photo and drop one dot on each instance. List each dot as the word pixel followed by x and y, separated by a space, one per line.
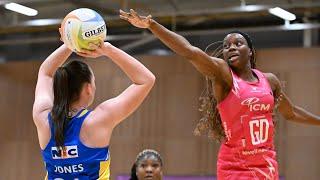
pixel 99 116
pixel 270 76
pixel 273 80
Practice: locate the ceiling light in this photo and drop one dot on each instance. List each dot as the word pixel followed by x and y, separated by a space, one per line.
pixel 252 8
pixel 282 13
pixel 300 26
pixel 21 9
pixel 42 22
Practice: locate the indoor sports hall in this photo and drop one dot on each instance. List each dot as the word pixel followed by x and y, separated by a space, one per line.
pixel 283 36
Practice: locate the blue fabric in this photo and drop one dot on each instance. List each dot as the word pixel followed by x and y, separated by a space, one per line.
pixel 77 161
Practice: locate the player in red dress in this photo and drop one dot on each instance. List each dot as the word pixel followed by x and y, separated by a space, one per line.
pixel 244 98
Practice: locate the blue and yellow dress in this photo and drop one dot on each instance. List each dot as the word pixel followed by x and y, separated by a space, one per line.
pixel 76 161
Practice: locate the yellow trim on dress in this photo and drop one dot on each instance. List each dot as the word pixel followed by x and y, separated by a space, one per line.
pixel 104 172
pixel 83 113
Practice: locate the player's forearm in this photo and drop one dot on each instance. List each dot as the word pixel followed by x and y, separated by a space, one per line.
pixel 173 40
pixel 136 71
pixel 300 115
pixel 55 60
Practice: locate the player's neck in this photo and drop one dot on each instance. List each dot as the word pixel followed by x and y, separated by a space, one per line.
pixel 75 108
pixel 247 74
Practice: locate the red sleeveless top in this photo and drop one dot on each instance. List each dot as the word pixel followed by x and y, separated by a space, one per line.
pixel 246 115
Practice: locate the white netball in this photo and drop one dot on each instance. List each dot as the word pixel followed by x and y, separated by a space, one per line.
pixel 81 27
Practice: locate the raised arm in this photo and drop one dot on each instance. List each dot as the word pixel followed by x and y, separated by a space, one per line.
pixel 287 109
pixel 113 111
pixel 207 65
pixel 44 94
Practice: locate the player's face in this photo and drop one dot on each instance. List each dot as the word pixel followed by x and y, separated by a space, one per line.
pixel 149 169
pixel 236 51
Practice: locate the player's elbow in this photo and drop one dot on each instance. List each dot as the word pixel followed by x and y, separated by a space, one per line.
pixel 152 79
pixel 43 71
pixel 288 115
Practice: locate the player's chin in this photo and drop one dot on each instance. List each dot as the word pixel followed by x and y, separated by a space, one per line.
pixel 234 64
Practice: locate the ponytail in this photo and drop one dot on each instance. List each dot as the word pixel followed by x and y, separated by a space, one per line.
pixel 67 85
pixel 61 104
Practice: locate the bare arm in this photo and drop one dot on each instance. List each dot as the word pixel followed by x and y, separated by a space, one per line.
pixel 113 111
pixel 44 94
pixel 287 109
pixel 207 65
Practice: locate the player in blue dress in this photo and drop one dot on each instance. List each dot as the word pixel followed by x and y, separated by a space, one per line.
pixel 74 140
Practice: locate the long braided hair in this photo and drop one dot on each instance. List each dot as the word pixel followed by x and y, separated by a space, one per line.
pixel 210 122
pixel 145 154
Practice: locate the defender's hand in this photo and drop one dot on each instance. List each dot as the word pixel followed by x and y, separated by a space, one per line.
pixel 135 19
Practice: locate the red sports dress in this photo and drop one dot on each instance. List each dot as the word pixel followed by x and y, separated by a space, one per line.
pixel 246 113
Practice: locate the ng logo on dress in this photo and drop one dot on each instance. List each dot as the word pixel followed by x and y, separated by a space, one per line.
pixel 66 153
pixel 254 105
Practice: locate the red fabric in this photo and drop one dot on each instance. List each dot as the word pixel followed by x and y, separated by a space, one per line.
pixel 246 115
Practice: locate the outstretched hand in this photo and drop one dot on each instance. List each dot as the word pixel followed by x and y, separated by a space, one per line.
pixel 135 19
